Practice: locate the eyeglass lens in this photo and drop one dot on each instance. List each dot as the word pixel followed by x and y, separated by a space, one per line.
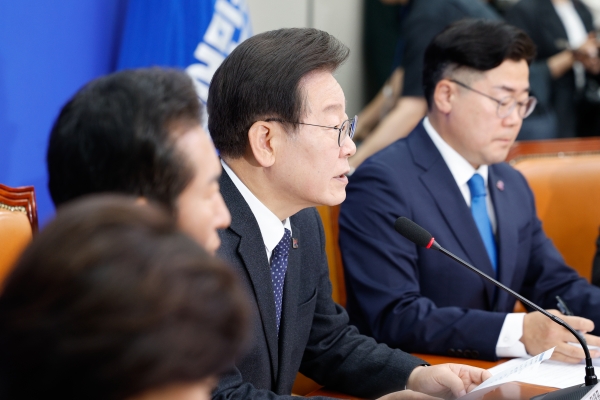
pixel 347 129
pixel 524 109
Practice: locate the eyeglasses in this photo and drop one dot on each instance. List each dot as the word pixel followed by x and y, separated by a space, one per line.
pixel 507 104
pixel 346 129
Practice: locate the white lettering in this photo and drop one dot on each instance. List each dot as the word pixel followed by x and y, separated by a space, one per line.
pixel 219 33
pixel 230 12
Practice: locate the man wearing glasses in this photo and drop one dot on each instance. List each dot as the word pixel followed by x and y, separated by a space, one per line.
pixel 277 117
pixel 448 176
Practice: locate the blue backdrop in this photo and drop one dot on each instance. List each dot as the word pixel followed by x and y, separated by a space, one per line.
pixel 48 50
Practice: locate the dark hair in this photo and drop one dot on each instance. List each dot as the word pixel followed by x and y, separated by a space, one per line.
pixel 111 300
pixel 260 79
pixel 475 44
pixel 114 135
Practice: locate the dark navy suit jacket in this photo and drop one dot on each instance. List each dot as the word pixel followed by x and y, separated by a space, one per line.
pixel 419 299
pixel 314 335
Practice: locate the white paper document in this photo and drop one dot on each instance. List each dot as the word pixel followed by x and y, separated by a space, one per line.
pixel 515 371
pixel 549 373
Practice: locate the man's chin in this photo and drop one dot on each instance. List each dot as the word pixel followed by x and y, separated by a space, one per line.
pixel 212 247
pixel 336 199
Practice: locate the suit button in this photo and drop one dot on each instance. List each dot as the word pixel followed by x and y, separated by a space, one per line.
pixel 468 353
pixel 451 352
pixel 475 354
pixel 459 353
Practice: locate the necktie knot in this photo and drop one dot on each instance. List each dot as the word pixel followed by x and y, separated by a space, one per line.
pixel 283 247
pixel 476 186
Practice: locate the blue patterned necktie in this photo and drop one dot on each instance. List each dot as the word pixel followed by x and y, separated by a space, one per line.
pixel 279 263
pixel 482 219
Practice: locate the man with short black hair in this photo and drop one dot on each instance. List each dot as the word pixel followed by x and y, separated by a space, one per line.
pixel 448 176
pixel 138 132
pixel 277 116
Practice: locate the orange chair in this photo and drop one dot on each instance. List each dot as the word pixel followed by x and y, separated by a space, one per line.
pixel 18 223
pixel 564 175
pixel 329 216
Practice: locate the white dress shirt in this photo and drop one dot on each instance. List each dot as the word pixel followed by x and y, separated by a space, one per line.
pixel 508 344
pixel 271 228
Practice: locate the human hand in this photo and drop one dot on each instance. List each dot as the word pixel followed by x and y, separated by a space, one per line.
pixel 540 333
pixel 587 54
pixel 446 381
pixel 407 395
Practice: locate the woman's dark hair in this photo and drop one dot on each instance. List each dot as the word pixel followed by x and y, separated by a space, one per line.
pixel 114 136
pixel 475 44
pixel 111 300
pixel 260 79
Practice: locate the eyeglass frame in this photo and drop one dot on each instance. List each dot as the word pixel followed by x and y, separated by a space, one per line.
pixel 351 129
pixel 511 108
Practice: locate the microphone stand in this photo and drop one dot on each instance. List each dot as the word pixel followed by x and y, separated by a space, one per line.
pixel 573 392
pixel 421 237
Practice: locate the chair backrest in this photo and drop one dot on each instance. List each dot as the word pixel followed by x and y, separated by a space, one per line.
pixel 18 223
pixel 329 216
pixel 564 175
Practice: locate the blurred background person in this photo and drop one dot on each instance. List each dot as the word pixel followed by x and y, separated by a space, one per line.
pixel 567 82
pixel 112 301
pixel 423 19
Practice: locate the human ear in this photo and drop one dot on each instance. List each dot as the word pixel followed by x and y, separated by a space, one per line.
pixel 263 138
pixel 444 95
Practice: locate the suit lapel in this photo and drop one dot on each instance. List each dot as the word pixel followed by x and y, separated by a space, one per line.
pixel 506 228
pixel 440 183
pixel 251 251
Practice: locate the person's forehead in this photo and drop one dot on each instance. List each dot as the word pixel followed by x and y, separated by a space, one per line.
pixel 509 76
pixel 323 92
pixel 197 146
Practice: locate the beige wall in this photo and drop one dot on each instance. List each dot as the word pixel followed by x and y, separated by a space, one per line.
pixel 341 18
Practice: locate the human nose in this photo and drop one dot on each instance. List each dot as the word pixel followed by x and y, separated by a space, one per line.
pixel 223 217
pixel 513 117
pixel 348 147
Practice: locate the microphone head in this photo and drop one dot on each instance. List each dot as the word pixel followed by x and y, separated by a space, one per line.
pixel 413 232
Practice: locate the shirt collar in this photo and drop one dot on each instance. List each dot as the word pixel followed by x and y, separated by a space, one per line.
pixel 271 228
pixel 460 168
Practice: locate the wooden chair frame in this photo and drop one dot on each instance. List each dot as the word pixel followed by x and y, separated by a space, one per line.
pixel 21 199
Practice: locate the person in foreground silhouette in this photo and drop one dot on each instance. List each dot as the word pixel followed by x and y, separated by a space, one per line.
pixel 112 301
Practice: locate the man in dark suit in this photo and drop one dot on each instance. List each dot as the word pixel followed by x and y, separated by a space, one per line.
pixel 277 117
pixel 448 176
pixel 138 132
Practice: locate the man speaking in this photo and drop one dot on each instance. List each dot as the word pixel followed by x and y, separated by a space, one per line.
pixel 448 177
pixel 277 117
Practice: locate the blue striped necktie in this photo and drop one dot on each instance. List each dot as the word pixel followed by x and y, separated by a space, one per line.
pixel 481 217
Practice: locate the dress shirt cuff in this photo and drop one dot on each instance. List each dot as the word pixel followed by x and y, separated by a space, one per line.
pixel 509 344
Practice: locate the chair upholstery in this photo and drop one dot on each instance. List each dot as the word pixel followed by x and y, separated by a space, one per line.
pixel 18 223
pixel 329 216
pixel 564 175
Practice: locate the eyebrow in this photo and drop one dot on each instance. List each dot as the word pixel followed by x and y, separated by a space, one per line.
pixel 511 90
pixel 333 107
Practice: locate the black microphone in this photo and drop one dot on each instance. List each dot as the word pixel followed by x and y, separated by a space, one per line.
pixel 419 236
